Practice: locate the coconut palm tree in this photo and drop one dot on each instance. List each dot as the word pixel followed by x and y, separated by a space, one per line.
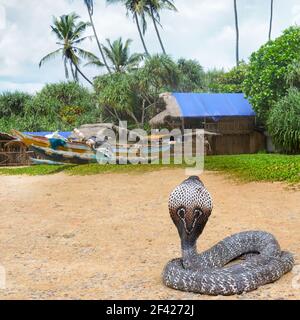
pixel 136 8
pixel 153 7
pixel 271 20
pixel 90 8
pixel 118 55
pixel 69 35
pixel 237 32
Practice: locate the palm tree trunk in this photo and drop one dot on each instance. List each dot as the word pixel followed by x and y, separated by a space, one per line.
pixel 72 70
pixel 143 113
pixel 79 71
pixel 237 57
pixel 66 69
pixel 271 20
pixel 140 32
pixel 98 42
pixel 157 32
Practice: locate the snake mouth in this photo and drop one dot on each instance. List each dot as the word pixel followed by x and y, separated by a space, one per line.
pixel 189 227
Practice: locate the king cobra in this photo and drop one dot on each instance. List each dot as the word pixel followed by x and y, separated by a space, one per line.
pixel 219 271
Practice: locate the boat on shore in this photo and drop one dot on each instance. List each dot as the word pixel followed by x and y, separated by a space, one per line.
pixel 56 144
pixel 51 156
pixel 57 150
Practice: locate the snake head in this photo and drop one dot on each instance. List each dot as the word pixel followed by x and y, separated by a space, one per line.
pixel 190 206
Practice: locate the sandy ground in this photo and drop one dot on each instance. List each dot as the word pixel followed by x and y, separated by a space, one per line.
pixel 109 236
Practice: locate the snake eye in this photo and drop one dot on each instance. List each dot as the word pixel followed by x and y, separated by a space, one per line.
pixel 197 213
pixel 181 213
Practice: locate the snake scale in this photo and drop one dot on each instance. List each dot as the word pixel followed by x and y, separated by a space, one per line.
pixel 218 271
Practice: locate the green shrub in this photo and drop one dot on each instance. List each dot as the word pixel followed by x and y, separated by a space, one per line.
pixel 231 81
pixel 58 106
pixel 129 96
pixel 70 114
pixel 192 76
pixel 265 81
pixel 54 107
pixel 284 123
pixel 13 103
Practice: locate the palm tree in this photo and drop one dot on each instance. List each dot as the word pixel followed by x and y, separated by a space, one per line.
pixel 271 19
pixel 90 8
pixel 136 8
pixel 69 34
pixel 237 32
pixel 154 6
pixel 119 56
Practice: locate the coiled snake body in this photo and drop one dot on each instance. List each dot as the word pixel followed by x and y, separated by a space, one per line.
pixel 190 206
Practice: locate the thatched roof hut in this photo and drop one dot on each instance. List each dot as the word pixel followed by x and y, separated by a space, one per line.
pixel 172 111
pixel 227 117
pixel 6 137
pixel 12 151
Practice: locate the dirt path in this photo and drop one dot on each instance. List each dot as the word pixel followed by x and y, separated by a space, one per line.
pixel 109 236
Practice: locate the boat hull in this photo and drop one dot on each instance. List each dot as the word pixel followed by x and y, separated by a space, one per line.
pixel 44 142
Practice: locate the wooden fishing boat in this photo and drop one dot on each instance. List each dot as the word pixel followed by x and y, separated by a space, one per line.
pixel 29 140
pixel 101 157
pixel 64 156
pixel 82 147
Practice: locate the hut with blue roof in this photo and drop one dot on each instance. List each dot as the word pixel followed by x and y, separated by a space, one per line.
pixel 228 116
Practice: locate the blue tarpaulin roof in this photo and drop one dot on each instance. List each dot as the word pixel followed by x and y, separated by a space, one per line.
pixel 213 105
pixel 65 134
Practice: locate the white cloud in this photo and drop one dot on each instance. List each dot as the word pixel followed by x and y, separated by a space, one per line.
pixel 27 87
pixel 202 30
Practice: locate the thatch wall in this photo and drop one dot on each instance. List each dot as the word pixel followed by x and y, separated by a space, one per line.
pixel 13 152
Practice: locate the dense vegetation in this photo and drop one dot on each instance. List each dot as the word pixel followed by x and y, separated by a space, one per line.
pixel 268 69
pixel 57 106
pixel 130 88
pixel 130 94
pixel 284 122
pixel 272 86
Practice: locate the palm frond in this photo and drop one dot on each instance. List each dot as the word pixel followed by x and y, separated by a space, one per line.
pixel 135 58
pixel 82 39
pixel 85 54
pixel 50 56
pixel 90 6
pixel 95 62
pixel 79 29
pixel 110 53
pixel 57 32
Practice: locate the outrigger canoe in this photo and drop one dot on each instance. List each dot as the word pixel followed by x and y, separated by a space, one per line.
pixel 44 142
pixel 132 150
pixel 64 156
pixel 82 147
pixel 59 156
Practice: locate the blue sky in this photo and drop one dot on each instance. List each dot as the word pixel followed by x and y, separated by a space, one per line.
pixel 201 29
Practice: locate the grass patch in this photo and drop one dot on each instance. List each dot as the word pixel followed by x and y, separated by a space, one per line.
pixel 258 167
pixel 87 169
